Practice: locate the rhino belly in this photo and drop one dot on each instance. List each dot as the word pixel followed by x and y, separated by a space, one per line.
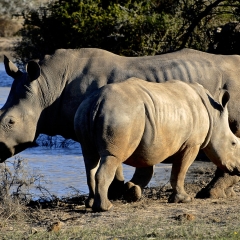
pixel 151 154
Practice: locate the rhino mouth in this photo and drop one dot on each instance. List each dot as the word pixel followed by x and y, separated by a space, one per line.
pixel 22 146
pixel 5 152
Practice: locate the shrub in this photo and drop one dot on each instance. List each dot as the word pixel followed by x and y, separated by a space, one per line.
pixel 131 29
pixel 225 39
pixel 15 184
pixel 125 27
pixel 16 181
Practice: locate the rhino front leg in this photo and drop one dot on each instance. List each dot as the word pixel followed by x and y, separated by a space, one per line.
pixel 140 179
pixel 104 177
pixel 221 186
pixel 181 163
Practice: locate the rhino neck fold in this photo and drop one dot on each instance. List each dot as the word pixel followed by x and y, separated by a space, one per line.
pixel 209 134
pixel 51 98
pixel 206 102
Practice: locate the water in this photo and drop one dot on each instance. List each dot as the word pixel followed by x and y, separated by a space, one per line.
pixel 64 167
pixel 5 80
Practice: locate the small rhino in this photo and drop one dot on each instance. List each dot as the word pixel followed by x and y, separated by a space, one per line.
pixel 142 123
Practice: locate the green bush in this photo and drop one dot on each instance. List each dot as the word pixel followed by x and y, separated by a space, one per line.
pixel 125 27
pixel 133 28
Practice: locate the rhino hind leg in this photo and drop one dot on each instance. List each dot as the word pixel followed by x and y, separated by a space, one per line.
pixel 91 165
pixel 230 193
pixel 103 178
pixel 140 179
pixel 181 163
pixel 221 186
pixel 116 188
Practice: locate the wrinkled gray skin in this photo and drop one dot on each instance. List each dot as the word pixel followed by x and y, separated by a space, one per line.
pixel 141 124
pixel 46 97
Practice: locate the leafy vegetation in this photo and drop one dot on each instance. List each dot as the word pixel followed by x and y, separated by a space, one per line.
pixel 125 27
pixel 8 8
pixel 16 181
pixel 10 14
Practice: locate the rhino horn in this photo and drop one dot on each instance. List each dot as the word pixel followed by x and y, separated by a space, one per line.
pixel 33 69
pixel 11 69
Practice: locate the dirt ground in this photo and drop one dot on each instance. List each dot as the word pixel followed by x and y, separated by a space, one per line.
pixel 150 218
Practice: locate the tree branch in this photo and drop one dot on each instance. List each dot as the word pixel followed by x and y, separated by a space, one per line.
pixel 196 21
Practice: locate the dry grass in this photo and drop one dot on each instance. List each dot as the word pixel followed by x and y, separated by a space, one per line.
pixel 146 219
pixel 150 218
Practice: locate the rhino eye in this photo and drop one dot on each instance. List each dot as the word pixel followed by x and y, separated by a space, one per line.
pixel 11 121
pixel 8 123
pixel 234 143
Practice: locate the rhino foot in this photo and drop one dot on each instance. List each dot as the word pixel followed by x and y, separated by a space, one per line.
pixel 102 206
pixel 89 202
pixel 132 192
pixel 217 193
pixel 221 186
pixel 213 193
pixel 203 193
pixel 230 193
pixel 179 198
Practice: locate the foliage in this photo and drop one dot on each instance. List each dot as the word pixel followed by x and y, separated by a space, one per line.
pixel 125 27
pixel 54 141
pixel 15 184
pixel 10 14
pixel 16 181
pixel 132 29
pixel 8 8
pixel 226 37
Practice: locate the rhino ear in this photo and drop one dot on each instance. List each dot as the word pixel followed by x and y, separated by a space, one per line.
pixel 33 69
pixel 224 97
pixel 11 69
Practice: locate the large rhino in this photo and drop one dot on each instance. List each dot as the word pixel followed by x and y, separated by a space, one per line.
pixel 171 120
pixel 44 99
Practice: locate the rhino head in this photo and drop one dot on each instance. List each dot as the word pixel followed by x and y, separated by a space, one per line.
pixel 18 117
pixel 222 146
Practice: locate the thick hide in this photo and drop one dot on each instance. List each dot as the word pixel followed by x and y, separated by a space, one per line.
pixel 141 124
pixel 46 97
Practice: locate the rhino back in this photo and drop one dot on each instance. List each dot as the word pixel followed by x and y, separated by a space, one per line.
pixel 77 73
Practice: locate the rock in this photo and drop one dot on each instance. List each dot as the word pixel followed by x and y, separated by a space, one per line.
pixel 186 216
pixel 33 231
pixel 10 229
pixel 55 227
